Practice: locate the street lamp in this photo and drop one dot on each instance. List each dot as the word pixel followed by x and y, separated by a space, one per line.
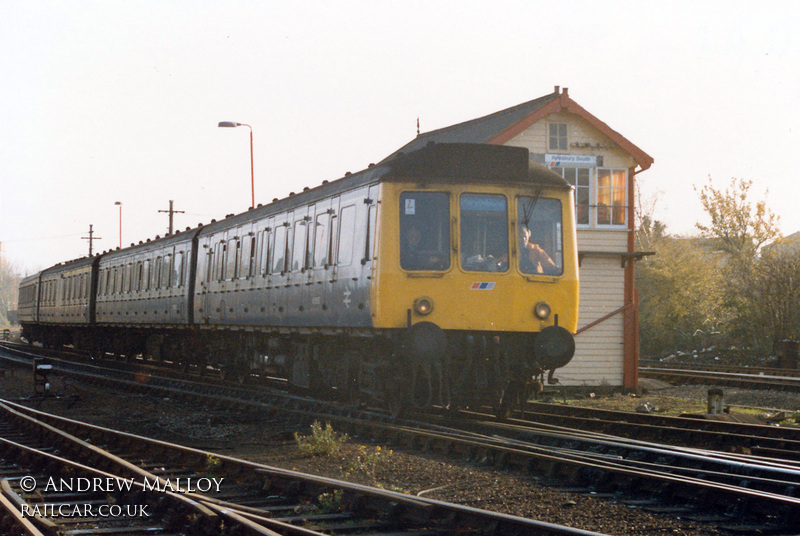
pixel 229 124
pixel 120 222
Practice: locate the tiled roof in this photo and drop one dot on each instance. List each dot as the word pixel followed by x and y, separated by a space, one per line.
pixel 500 127
pixel 481 130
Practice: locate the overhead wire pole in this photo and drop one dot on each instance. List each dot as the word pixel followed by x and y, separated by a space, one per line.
pixel 171 211
pixel 91 238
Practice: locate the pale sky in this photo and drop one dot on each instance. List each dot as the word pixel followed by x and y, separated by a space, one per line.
pixel 119 101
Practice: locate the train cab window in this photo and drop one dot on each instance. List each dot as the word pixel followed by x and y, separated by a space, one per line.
pixel 540 236
pixel 484 233
pixel 424 231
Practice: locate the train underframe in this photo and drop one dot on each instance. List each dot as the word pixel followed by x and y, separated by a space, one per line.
pixel 399 369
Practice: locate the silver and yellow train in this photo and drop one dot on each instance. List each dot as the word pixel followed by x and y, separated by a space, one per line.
pixel 447 276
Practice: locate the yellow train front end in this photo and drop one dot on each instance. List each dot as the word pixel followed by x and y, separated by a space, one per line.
pixel 480 280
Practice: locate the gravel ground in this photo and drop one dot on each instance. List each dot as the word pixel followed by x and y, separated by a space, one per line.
pixel 271 442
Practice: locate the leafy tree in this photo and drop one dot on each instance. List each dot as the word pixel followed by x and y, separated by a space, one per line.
pixel 679 295
pixel 739 230
pixel 737 227
pixel 773 295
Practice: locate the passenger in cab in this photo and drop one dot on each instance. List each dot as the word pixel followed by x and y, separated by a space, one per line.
pixel 533 259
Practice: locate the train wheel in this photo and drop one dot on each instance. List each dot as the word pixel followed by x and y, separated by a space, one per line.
pixel 395 404
pixel 351 389
pixel 506 402
pixel 234 373
pixel 396 391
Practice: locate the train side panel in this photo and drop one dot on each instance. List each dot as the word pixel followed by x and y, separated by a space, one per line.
pixel 308 267
pixel 146 285
pixel 28 307
pixel 28 304
pixel 66 294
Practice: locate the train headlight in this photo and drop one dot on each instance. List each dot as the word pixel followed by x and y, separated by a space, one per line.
pixel 423 306
pixel 541 310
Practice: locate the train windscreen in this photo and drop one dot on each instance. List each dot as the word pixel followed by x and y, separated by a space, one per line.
pixel 425 231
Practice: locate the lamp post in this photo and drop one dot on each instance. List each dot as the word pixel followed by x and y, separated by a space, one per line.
pixel 120 222
pixel 229 124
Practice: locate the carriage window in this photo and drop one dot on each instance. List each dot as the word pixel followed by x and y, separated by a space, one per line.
pixel 540 236
pixel 279 255
pixel 372 222
pixel 139 272
pixel 177 270
pixel 424 231
pixel 248 269
pixel 484 233
pixel 166 271
pixel 231 259
pixel 117 280
pixel 219 260
pixel 299 250
pixel 263 241
pixel 145 281
pixel 322 230
pixel 347 229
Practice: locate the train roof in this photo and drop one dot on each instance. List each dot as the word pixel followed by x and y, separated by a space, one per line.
pixel 69 266
pixel 30 279
pixel 155 243
pixel 457 162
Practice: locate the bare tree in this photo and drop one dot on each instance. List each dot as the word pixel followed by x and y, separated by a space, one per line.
pixel 8 290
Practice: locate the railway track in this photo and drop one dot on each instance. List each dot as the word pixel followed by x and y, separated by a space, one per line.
pixel 749 380
pixel 732 490
pixel 690 430
pixel 224 495
pixel 721 367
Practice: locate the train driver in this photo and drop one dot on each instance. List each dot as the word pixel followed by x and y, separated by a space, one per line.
pixel 533 259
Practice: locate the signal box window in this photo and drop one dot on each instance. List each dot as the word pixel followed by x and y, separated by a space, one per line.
pixel 611 186
pixel 424 231
pixel 484 233
pixel 540 244
pixel 580 178
pixel 557 137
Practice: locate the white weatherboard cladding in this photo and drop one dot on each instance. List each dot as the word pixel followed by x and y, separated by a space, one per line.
pixel 599 350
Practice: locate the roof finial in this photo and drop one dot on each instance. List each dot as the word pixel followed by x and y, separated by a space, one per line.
pixel 417 125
